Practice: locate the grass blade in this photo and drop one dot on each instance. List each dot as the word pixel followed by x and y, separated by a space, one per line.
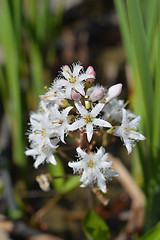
pixel 141 54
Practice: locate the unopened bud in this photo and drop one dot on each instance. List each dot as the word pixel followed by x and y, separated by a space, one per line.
pixel 114 91
pixel 96 94
pixel 76 96
pixel 91 71
pixel 87 104
pixel 66 68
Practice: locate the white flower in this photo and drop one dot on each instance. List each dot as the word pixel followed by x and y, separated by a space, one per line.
pixel 88 119
pixel 127 131
pixel 42 152
pixel 54 95
pixel 93 168
pixel 42 146
pixel 59 121
pixel 113 110
pixel 73 79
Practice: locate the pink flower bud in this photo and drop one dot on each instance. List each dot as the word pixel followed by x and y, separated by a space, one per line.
pixel 91 71
pixel 66 68
pixel 97 94
pixel 114 91
pixel 76 96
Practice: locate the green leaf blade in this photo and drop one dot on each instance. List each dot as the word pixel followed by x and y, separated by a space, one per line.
pixel 95 227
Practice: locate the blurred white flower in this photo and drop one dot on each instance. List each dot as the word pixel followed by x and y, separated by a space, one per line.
pixel 128 131
pixel 93 168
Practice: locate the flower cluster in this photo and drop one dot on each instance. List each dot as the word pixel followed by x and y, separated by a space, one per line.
pixel 74 104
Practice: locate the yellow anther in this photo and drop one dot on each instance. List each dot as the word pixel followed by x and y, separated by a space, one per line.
pixel 88 118
pixel 71 79
pixel 90 163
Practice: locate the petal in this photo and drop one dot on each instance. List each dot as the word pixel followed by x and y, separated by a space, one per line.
pixel 128 146
pixel 96 110
pixel 85 76
pixel 82 153
pixel 101 123
pixel 76 69
pixel 31 152
pixel 104 157
pixel 40 159
pixel 52 160
pixel 89 130
pixel 61 82
pixel 136 135
pixel 55 113
pixel 76 165
pixel 61 134
pixel 112 173
pixel 82 110
pixel 68 91
pixel 99 154
pixel 80 88
pixel 135 122
pixel 101 182
pixel 66 111
pixel 124 117
pixel 78 124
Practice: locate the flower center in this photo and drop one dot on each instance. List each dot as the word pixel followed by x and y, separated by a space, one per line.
pixel 90 164
pixel 42 132
pixel 71 79
pixel 127 129
pixel 88 118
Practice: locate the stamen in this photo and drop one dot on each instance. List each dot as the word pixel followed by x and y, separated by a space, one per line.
pixel 90 163
pixel 46 88
pixel 71 79
pixel 42 132
pixel 88 118
pixel 49 96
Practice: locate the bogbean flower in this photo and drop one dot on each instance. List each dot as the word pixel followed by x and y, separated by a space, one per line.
pixel 73 79
pixel 113 110
pixel 89 119
pixel 42 152
pixel 92 106
pixel 127 131
pixel 41 147
pixel 59 122
pixel 93 168
pixel 55 94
